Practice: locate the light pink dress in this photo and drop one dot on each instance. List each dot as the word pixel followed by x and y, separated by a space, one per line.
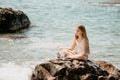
pixel 80 48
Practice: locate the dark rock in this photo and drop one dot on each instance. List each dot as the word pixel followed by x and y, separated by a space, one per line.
pixel 58 69
pixel 12 21
pixel 101 78
pixel 41 73
pixel 113 72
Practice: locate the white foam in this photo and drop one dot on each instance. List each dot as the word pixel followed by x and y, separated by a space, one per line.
pixel 11 71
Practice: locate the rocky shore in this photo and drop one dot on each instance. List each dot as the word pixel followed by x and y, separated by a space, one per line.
pixel 12 20
pixel 111 3
pixel 58 69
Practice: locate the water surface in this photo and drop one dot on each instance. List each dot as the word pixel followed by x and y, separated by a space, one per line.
pixel 53 23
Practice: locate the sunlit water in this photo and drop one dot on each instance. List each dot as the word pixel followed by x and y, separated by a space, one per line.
pixel 53 24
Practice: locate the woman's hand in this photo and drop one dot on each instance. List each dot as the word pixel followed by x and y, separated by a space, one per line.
pixel 59 48
pixel 68 56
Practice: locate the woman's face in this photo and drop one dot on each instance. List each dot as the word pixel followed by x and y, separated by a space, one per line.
pixel 78 32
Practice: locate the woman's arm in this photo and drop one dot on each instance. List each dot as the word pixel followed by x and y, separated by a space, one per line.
pixel 70 48
pixel 73 44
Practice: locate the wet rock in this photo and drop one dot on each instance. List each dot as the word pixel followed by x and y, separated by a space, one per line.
pixel 41 73
pixel 58 69
pixel 12 21
pixel 111 3
pixel 13 36
pixel 114 73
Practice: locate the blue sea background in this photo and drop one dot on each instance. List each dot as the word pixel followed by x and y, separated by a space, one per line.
pixel 53 24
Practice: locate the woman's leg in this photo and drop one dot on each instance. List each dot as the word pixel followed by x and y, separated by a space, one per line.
pixel 78 56
pixel 83 57
pixel 68 52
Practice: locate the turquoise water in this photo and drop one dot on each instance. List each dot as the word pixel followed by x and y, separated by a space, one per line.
pixel 53 24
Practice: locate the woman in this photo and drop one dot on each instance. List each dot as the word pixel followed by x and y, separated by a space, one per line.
pixel 81 43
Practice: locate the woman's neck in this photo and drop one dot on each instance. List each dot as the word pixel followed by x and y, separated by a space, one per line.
pixel 80 38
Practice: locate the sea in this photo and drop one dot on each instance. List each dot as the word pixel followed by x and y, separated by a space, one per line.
pixel 53 23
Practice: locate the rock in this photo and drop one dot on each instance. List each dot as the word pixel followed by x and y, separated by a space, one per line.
pixel 111 3
pixel 42 73
pixel 13 36
pixel 114 73
pixel 58 69
pixel 12 21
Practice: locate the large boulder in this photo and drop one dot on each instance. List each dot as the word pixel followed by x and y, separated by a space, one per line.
pixel 12 21
pixel 58 69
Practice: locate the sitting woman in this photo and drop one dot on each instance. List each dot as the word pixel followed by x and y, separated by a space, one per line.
pixel 80 43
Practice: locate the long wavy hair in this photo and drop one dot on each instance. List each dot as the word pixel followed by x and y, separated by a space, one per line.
pixel 84 35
